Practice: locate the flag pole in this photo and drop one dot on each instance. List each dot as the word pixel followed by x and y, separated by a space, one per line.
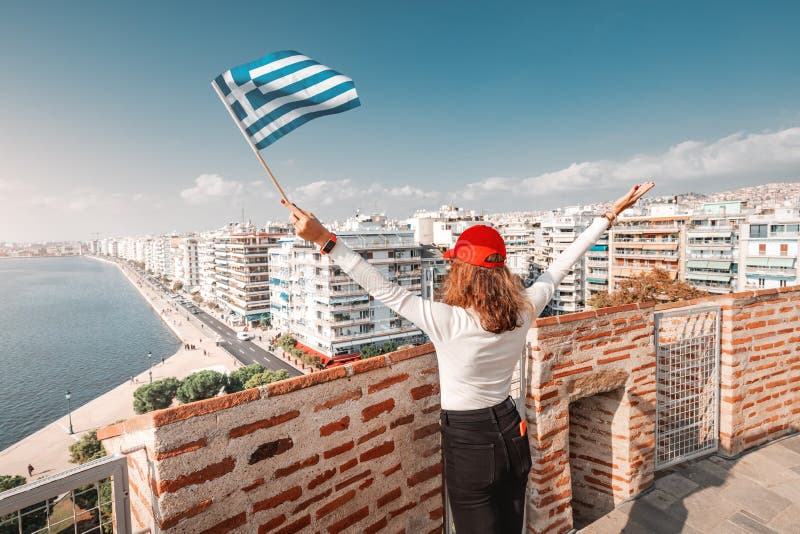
pixel 250 142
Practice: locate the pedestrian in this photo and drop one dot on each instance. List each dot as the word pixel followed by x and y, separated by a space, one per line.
pixel 131 379
pixel 162 360
pixel 204 352
pixel 30 470
pixel 478 330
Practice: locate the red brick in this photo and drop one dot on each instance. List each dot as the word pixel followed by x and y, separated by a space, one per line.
pixel 572 372
pixel 434 408
pixel 301 382
pixel 349 464
pixel 292 494
pixel 367 483
pixel 437 491
pixel 603 361
pixel 229 524
pixel 192 511
pixel 303 505
pixel 330 453
pixel 376 452
pixel 386 498
pixel 353 394
pixel 344 524
pixel 336 426
pixel 297 526
pixel 436 513
pixel 322 477
pixel 249 428
pixel 335 503
pixel 371 412
pixel 196 409
pixel 400 421
pixel 421 392
pixel 254 484
pixel 427 430
pixel 186 447
pixel 394 513
pixel 271 524
pixel 376 527
pixel 392 470
pixel 388 382
pixel 270 449
pixel 371 434
pixel 206 474
pixel 425 474
pixel 355 478
pixel 288 470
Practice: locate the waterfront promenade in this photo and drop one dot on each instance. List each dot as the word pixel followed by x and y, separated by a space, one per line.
pixel 47 449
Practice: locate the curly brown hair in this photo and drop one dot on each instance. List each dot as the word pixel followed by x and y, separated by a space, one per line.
pixel 495 294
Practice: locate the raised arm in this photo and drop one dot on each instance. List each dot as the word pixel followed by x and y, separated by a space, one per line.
pixel 543 288
pixel 419 311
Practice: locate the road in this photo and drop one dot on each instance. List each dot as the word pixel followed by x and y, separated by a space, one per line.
pixel 244 351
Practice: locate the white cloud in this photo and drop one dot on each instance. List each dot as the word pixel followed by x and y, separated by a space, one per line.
pixel 325 192
pixel 765 156
pixel 211 187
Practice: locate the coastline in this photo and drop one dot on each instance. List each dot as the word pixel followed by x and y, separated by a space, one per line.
pixel 47 448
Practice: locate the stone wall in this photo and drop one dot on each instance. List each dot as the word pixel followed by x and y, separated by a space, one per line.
pixel 357 448
pixel 349 449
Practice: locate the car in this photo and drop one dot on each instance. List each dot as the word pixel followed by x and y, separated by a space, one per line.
pixel 194 310
pixel 243 336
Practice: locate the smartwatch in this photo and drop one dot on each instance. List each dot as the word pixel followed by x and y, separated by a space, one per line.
pixel 327 247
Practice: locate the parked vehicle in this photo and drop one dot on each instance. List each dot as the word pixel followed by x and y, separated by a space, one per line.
pixel 244 336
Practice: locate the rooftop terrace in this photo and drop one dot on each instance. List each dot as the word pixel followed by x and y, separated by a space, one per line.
pixel 613 398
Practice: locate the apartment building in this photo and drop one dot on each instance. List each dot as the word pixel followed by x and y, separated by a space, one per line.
pixel 768 249
pixel 643 243
pixel 555 233
pixel 241 273
pixel 442 227
pixel 325 310
pixel 519 238
pixel 596 269
pixel 186 267
pixel 712 246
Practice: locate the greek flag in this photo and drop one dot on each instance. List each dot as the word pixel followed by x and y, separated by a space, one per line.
pixel 272 96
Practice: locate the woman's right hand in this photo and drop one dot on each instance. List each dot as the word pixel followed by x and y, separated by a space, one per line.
pixel 630 198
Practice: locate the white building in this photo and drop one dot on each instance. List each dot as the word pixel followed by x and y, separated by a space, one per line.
pixel 325 310
pixel 442 227
pixel 768 248
pixel 712 246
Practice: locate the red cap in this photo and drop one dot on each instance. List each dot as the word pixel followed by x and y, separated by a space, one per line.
pixel 476 244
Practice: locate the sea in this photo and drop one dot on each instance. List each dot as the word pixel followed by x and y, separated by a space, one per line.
pixel 68 323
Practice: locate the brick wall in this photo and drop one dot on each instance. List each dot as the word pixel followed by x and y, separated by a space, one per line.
pixel 349 449
pixel 357 448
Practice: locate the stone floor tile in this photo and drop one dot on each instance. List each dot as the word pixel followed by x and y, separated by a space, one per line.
pixel 655 521
pixel 788 490
pixel 750 524
pixel 676 485
pixel 659 498
pixel 788 520
pixel 793 443
pixel 705 510
pixel 762 468
pixel 705 474
pixel 754 498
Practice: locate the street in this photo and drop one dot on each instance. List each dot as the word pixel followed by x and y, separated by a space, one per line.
pixel 244 351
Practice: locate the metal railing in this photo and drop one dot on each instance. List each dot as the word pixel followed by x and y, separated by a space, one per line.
pixel 92 497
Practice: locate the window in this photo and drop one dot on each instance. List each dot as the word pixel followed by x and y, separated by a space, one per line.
pixel 762 249
pixel 777 228
pixel 784 249
pixel 760 282
pixel 782 283
pixel 758 230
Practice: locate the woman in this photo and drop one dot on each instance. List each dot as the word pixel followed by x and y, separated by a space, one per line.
pixel 479 332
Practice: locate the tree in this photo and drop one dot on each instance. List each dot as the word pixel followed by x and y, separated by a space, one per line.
pixel 389 346
pixel 369 351
pixel 155 396
pixel 33 520
pixel 286 342
pixel 88 448
pixel 649 286
pixel 266 377
pixel 237 380
pixel 201 385
pixel 264 322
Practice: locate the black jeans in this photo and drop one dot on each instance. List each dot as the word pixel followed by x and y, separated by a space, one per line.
pixel 486 465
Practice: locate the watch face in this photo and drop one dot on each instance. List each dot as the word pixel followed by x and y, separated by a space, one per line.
pixel 329 245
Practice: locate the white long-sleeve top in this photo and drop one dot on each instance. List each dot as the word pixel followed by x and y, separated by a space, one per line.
pixel 475 366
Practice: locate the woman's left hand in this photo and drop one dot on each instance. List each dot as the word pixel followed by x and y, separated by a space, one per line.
pixel 630 198
pixel 306 225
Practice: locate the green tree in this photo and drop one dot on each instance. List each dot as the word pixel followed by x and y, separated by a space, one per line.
pixel 266 377
pixel 389 346
pixel 237 380
pixel 264 322
pixel 369 351
pixel 88 448
pixel 286 342
pixel 201 385
pixel 649 286
pixel 155 396
pixel 33 520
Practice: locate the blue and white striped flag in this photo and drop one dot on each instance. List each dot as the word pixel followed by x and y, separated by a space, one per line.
pixel 272 96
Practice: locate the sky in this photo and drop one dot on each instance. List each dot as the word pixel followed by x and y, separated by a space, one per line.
pixel 109 125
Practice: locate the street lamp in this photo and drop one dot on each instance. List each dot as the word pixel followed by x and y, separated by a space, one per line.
pixel 69 412
pixel 149 362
